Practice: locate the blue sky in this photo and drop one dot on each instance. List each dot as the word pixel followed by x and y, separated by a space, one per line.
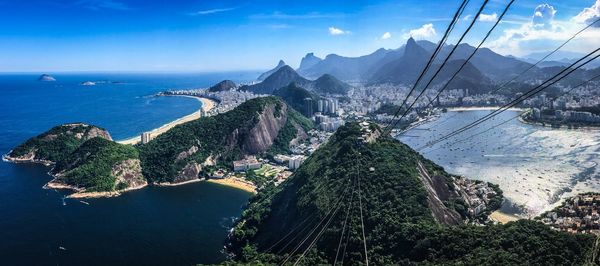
pixel 175 35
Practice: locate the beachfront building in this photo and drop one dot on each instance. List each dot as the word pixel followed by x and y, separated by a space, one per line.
pixel 219 174
pixel 146 137
pixel 249 163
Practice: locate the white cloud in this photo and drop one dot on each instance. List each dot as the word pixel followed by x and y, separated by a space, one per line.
pixel 386 36
pixel 543 33
pixel 467 17
pixel 589 15
pixel 543 15
pixel 488 18
pixel 337 31
pixel 424 32
pixel 212 11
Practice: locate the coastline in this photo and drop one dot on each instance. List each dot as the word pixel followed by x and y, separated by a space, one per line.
pixel 534 123
pixel 234 182
pixel 82 194
pixel 207 105
pixel 481 108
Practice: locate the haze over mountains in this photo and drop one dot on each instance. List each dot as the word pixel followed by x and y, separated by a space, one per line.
pixel 285 75
pixel 404 64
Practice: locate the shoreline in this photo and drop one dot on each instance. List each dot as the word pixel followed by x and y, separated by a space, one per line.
pixel 207 105
pixel 480 108
pixel 562 126
pixel 83 194
pixel 234 182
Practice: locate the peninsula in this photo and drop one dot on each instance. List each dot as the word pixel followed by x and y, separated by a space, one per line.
pixel 86 160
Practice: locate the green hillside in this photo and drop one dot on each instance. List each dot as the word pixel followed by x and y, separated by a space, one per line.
pixel 54 144
pixel 91 165
pixel 225 137
pixel 398 221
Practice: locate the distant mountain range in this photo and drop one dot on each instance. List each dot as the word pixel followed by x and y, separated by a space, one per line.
pixel 282 77
pixel 263 76
pixel 224 85
pixel 403 65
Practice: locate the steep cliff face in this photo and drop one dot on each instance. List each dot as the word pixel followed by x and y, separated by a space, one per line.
pixel 437 193
pixel 264 132
pixel 250 129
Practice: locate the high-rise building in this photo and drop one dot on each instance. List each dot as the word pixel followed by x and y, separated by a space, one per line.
pixel 308 104
pixel 146 137
pixel 320 105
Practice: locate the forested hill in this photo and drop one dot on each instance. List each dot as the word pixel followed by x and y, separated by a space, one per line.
pixel 320 204
pixel 257 126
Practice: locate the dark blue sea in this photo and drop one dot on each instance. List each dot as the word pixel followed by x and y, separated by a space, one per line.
pixel 182 225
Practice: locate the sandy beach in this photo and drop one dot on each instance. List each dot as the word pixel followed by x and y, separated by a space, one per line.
pixel 235 183
pixel 207 105
pixel 503 218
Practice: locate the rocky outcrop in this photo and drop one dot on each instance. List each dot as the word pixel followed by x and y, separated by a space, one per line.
pixel 128 174
pixel 262 135
pixel 190 172
pixel 308 61
pixel 185 154
pixel 263 76
pixel 46 77
pixel 437 192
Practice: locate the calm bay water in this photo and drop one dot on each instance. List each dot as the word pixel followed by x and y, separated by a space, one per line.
pixel 181 225
pixel 535 166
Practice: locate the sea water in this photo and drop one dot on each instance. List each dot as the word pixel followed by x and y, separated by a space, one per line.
pixel 535 166
pixel 181 225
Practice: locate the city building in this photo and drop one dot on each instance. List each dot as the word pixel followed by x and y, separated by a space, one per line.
pixel 249 163
pixel 295 161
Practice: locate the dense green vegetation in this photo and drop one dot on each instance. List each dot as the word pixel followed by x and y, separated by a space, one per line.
pixel 281 144
pixel 54 144
pixel 295 96
pixel 222 135
pixel 82 158
pixel 328 84
pixel 91 164
pixel 398 223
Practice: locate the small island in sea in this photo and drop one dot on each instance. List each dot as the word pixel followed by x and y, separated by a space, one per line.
pixel 46 77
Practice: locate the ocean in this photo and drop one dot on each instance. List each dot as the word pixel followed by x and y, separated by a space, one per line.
pixel 181 225
pixel 536 167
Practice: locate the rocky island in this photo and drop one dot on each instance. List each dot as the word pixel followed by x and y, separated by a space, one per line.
pixel 46 77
